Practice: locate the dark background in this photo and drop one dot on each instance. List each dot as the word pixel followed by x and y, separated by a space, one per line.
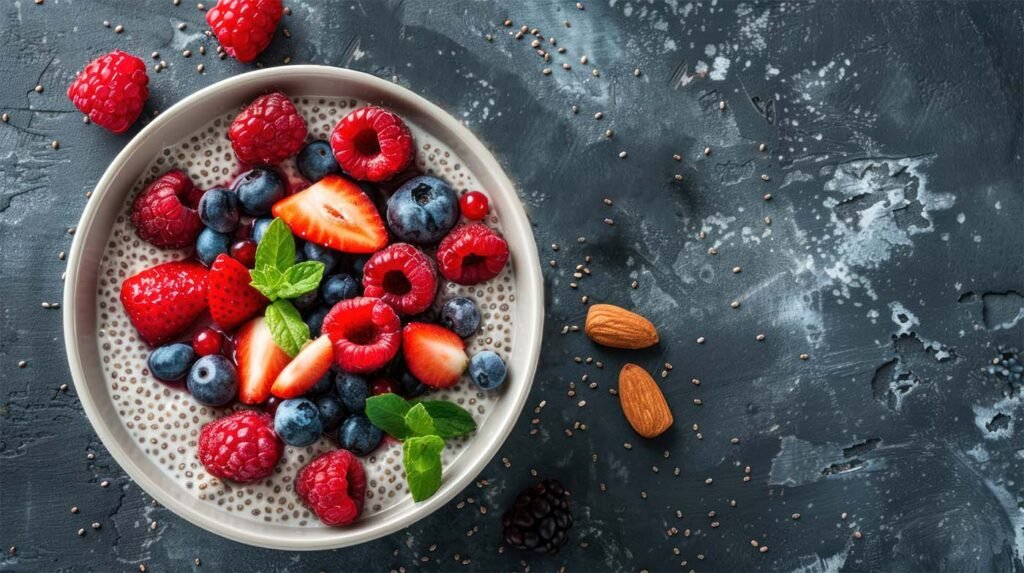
pixel 893 260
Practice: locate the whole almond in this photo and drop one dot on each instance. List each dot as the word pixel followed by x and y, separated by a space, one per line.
pixel 642 402
pixel 610 325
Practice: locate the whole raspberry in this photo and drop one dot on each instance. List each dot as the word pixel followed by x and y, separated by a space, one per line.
pixel 402 276
pixel 372 144
pixel 471 254
pixel 334 487
pixel 270 130
pixel 244 27
pixel 241 447
pixel 163 214
pixel 540 518
pixel 111 90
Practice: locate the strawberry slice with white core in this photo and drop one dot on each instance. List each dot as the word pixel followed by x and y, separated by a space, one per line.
pixel 305 370
pixel 435 355
pixel 232 300
pixel 259 361
pixel 334 213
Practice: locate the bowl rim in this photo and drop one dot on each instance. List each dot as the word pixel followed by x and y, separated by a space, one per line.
pixel 529 327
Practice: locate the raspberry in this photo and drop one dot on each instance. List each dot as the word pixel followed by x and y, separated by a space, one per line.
pixel 471 254
pixel 334 487
pixel 163 214
pixel 540 518
pixel 241 447
pixel 365 332
pixel 244 27
pixel 269 131
pixel 372 144
pixel 402 276
pixel 474 205
pixel 111 90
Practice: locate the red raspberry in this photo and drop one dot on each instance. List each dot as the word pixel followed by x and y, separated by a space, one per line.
pixel 241 447
pixel 372 144
pixel 471 254
pixel 269 131
pixel 162 213
pixel 334 487
pixel 402 276
pixel 111 90
pixel 244 27
pixel 365 332
pixel 207 341
pixel 474 205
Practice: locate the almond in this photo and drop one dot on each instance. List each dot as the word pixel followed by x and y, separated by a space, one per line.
pixel 609 325
pixel 642 402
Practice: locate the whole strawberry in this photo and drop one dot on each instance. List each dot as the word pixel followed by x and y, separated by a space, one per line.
pixel 244 27
pixel 111 90
pixel 241 447
pixel 334 487
pixel 163 301
pixel 164 214
pixel 268 131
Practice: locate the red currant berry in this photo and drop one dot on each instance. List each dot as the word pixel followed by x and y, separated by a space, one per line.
pixel 270 406
pixel 207 341
pixel 474 205
pixel 383 386
pixel 245 252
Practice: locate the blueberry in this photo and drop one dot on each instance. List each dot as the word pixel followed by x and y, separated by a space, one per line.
pixel 171 362
pixel 461 316
pixel 352 390
pixel 210 244
pixel 324 385
pixel 218 209
pixel 315 320
pixel 213 381
pixel 423 210
pixel 359 263
pixel 332 413
pixel 258 190
pixel 329 257
pixel 317 160
pixel 300 250
pixel 337 288
pixel 358 435
pixel 487 370
pixel 297 422
pixel 259 228
pixel 409 386
pixel 307 300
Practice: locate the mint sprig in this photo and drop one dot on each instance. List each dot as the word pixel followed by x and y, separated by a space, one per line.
pixel 422 459
pixel 287 328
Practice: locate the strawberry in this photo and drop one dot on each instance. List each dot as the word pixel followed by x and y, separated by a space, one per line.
pixel 232 301
pixel 433 354
pixel 305 370
pixel 259 361
pixel 164 300
pixel 334 213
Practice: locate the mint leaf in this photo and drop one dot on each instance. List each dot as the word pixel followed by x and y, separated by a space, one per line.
pixel 387 412
pixel 449 419
pixel 267 280
pixel 418 420
pixel 422 459
pixel 276 248
pixel 300 279
pixel 286 327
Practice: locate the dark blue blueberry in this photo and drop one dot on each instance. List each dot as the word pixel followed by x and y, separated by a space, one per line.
pixel 210 244
pixel 316 160
pixel 315 320
pixel 258 190
pixel 259 228
pixel 332 412
pixel 409 386
pixel 307 300
pixel 213 380
pixel 359 263
pixel 352 390
pixel 358 435
pixel 171 362
pixel 329 257
pixel 300 250
pixel 337 288
pixel 461 316
pixel 487 370
pixel 297 422
pixel 324 385
pixel 423 210
pixel 218 209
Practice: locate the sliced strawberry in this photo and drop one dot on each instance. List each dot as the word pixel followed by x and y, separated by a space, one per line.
pixel 334 213
pixel 435 355
pixel 305 370
pixel 259 361
pixel 232 301
pixel 164 300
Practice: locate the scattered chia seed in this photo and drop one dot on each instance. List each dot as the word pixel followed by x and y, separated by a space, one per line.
pixel 609 221
pixel 700 340
pixel 155 55
pixel 636 72
pixel 489 37
pixel 721 105
pixel 6 117
pixel 95 525
pixel 767 220
pixel 795 516
pixel 628 446
pixel 763 549
pixel 857 535
pixel 187 53
pixel 697 402
pixel 707 151
pixel 39 89
pixel 734 304
pixel 762 147
pixel 566 66
pixel 546 71
pixel 583 60
pixel 182 26
pixel 737 270
pixel 106 23
pixel 843 516
pixel 695 382
pixel 22 364
pixel 708 481
pixel 104 484
pixel 804 357
pixel 202 67
pixel 764 177
pixel 609 133
pixel 63 387
pixel 118 29
pixel 81 532
pixel 677 157
pixel 622 154
pixel 734 441
pixel 678 177
pixel 712 251
pixel 535 43
pixel 507 23
pixel 634 284
pixel 598 115
pixel 60 255
pixel 595 72
pixel 759 338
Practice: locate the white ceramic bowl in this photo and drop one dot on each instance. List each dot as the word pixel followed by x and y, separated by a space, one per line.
pixel 80 298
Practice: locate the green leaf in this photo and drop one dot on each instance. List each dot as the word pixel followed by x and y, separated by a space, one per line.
pixel 300 279
pixel 419 421
pixel 286 327
pixel 422 459
pixel 449 419
pixel 387 412
pixel 276 248
pixel 267 280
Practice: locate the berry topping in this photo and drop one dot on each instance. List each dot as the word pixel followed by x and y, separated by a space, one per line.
pixel 163 301
pixel 241 447
pixel 402 276
pixel 207 341
pixel 334 487
pixel 365 333
pixel 171 363
pixel 540 518
pixel 358 435
pixel 372 144
pixel 329 257
pixel 297 422
pixel 474 205
pixel 258 189
pixel 334 213
pixel 162 214
pixel 231 298
pixel 211 245
pixel 316 160
pixel 304 371
pixel 218 210
pixel 461 315
pixel 487 370
pixel 337 288
pixel 435 355
pixel 471 254
pixel 269 131
pixel 259 361
pixel 244 27
pixel 353 391
pixel 244 251
pixel 213 381
pixel 383 386
pixel 332 413
pixel 111 90
pixel 423 210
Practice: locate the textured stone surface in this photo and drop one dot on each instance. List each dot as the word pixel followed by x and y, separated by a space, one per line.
pixel 893 260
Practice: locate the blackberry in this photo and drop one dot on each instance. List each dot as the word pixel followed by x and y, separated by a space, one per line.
pixel 540 519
